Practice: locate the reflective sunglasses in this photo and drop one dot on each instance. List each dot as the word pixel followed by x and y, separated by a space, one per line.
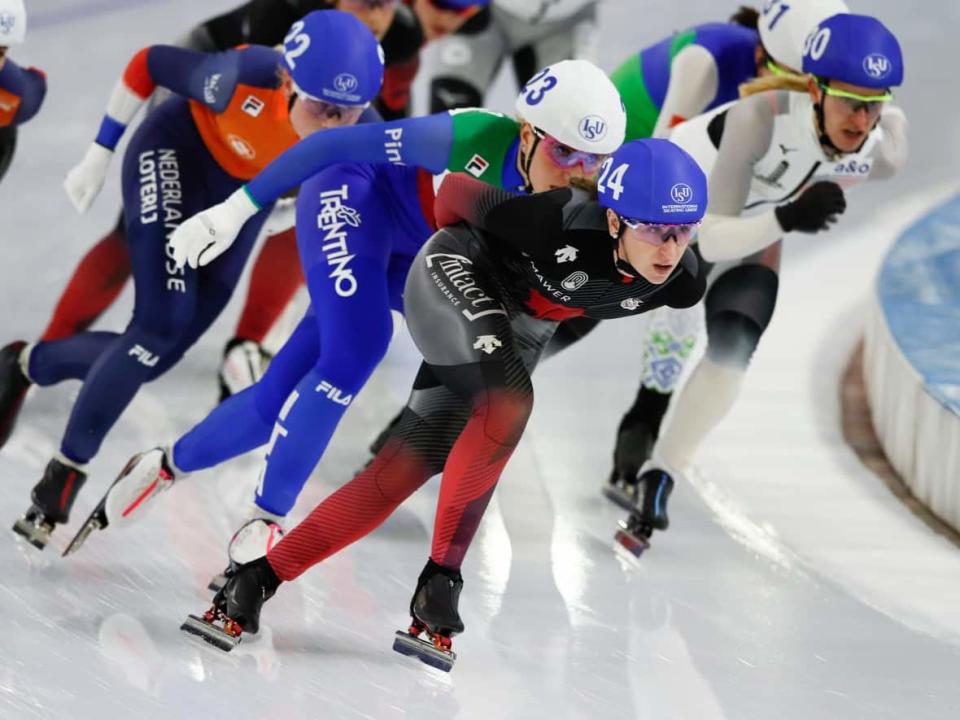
pixel 658 233
pixel 854 103
pixel 564 156
pixel 447 6
pixel 347 114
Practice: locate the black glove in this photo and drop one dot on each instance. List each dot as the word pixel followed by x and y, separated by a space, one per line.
pixel 816 209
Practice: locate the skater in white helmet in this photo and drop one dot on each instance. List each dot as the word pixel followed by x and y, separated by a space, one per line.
pixel 21 89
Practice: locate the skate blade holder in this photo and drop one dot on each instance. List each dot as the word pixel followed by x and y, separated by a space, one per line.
pixel 428 652
pixel 633 543
pixel 619 496
pixel 205 628
pixel 35 532
pixel 81 537
pixel 217 582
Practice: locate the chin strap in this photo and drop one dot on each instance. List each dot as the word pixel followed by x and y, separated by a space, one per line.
pixel 526 160
pixel 622 265
pixel 825 142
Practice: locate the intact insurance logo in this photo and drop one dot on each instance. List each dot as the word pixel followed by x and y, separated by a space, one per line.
pixel 592 128
pixel 877 66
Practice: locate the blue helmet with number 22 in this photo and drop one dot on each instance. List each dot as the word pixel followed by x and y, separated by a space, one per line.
pixel 855 49
pixel 654 181
pixel 334 57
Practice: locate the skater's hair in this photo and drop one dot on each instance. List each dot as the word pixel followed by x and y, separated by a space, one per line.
pixel 794 83
pixel 746 16
pixel 588 184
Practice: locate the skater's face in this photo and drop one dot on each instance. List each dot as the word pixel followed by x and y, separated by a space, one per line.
pixel 653 250
pixel 308 115
pixel 850 112
pixel 439 18
pixel 375 14
pixel 553 164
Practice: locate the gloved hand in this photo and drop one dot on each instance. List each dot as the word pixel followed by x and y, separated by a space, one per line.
pixel 208 234
pixel 816 209
pixel 85 179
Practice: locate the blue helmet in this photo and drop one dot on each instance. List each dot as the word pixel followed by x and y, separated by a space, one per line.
pixel 332 56
pixel 655 181
pixel 855 49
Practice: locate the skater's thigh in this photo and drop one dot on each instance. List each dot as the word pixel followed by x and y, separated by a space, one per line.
pixel 287 368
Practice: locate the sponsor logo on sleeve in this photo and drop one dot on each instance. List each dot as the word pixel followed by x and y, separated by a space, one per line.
pixel 211 85
pixel 631 303
pixel 477 166
pixel 334 218
pixel 487 343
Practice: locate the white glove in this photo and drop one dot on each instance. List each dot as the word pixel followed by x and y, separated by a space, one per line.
pixel 208 234
pixel 85 179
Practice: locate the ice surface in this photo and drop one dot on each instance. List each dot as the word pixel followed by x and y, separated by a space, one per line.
pixel 790 585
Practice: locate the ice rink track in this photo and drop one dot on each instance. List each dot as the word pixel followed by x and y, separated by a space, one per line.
pixel 791 585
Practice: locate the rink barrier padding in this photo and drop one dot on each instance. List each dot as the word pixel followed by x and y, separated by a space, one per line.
pixel 912 359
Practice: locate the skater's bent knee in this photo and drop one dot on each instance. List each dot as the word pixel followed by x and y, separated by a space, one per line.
pixel 732 339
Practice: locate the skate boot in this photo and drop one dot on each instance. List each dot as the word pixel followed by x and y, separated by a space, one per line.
pixel 253 540
pixel 236 608
pixel 634 447
pixel 13 387
pixel 650 513
pixel 52 499
pixel 433 610
pixel 145 476
pixel 243 364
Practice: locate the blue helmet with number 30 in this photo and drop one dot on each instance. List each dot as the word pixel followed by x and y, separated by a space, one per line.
pixel 855 49
pixel 334 57
pixel 654 181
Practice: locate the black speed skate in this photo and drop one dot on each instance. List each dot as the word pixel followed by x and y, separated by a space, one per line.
pixel 634 447
pixel 52 499
pixel 13 387
pixel 649 515
pixel 433 610
pixel 236 607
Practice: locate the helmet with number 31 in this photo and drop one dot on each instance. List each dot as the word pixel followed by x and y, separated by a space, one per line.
pixel 653 181
pixel 333 57
pixel 785 24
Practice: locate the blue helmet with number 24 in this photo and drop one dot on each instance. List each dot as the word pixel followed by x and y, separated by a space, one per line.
pixel 332 56
pixel 653 181
pixel 855 49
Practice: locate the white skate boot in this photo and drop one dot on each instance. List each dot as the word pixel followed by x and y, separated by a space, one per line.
pixel 145 476
pixel 255 538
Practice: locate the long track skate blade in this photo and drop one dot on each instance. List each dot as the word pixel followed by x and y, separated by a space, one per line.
pixel 633 544
pixel 210 633
pixel 36 535
pixel 217 582
pixel 92 523
pixel 406 644
pixel 620 497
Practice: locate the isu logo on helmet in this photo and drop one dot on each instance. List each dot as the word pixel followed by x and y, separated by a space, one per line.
pixel 592 128
pixel 345 82
pixel 877 66
pixel 681 193
pixel 7 22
